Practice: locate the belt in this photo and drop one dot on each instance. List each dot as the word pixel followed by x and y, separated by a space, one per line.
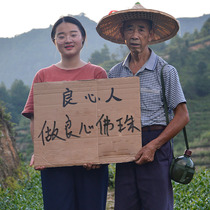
pixel 153 128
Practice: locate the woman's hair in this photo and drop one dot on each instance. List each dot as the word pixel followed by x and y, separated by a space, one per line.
pixel 68 19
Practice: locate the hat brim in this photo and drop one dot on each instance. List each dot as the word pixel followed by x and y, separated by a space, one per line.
pixel 165 26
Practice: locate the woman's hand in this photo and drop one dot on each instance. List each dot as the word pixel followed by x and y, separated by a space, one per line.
pixel 90 166
pixel 32 164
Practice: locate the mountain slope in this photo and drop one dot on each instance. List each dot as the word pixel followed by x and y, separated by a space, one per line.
pixel 23 55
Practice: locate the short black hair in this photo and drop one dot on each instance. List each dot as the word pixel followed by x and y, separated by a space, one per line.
pixel 68 19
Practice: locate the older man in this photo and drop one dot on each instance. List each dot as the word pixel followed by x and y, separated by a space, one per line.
pixel 145 183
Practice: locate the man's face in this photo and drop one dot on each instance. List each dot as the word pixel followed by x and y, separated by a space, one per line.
pixel 137 34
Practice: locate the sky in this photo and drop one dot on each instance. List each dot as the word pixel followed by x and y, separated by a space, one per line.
pixel 20 16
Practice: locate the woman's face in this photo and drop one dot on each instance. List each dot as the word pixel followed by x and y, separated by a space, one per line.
pixel 68 39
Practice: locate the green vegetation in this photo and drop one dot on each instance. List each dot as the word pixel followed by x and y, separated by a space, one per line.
pixel 195 195
pixel 14 99
pixel 24 141
pixel 26 193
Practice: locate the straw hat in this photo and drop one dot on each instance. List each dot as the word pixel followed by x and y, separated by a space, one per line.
pixel 165 26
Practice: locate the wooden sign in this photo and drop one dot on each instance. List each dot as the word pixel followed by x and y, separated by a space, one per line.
pixel 91 121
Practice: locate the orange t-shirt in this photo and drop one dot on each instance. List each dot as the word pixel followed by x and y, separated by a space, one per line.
pixel 53 74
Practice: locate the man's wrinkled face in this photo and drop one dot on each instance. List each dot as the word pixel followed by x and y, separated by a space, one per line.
pixel 137 34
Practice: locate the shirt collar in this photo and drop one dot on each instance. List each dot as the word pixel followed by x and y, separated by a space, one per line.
pixel 149 65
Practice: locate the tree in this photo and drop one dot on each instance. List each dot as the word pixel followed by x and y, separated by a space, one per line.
pixel 4 96
pixel 99 57
pixel 205 30
pixel 202 80
pixel 18 95
pixel 196 34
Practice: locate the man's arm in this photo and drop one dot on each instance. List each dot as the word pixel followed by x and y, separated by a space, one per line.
pixel 181 118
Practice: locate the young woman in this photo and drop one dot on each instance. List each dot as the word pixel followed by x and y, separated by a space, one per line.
pixel 75 187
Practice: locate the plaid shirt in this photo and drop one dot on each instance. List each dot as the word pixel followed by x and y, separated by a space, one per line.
pixel 152 110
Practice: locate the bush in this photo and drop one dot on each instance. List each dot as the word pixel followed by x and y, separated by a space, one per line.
pixel 195 195
pixel 25 193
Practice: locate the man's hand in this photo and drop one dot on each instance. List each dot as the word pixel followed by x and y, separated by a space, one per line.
pixel 146 154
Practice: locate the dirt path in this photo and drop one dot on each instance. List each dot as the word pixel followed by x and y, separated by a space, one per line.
pixel 110 200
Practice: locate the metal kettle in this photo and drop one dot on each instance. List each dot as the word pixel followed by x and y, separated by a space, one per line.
pixel 182 168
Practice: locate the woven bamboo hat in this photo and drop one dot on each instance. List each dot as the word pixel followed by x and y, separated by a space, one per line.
pixel 165 26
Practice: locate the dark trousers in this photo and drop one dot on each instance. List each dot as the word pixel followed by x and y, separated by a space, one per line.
pixel 74 188
pixel 148 186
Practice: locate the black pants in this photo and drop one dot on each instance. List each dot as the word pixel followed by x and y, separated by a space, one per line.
pixel 74 188
pixel 148 186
